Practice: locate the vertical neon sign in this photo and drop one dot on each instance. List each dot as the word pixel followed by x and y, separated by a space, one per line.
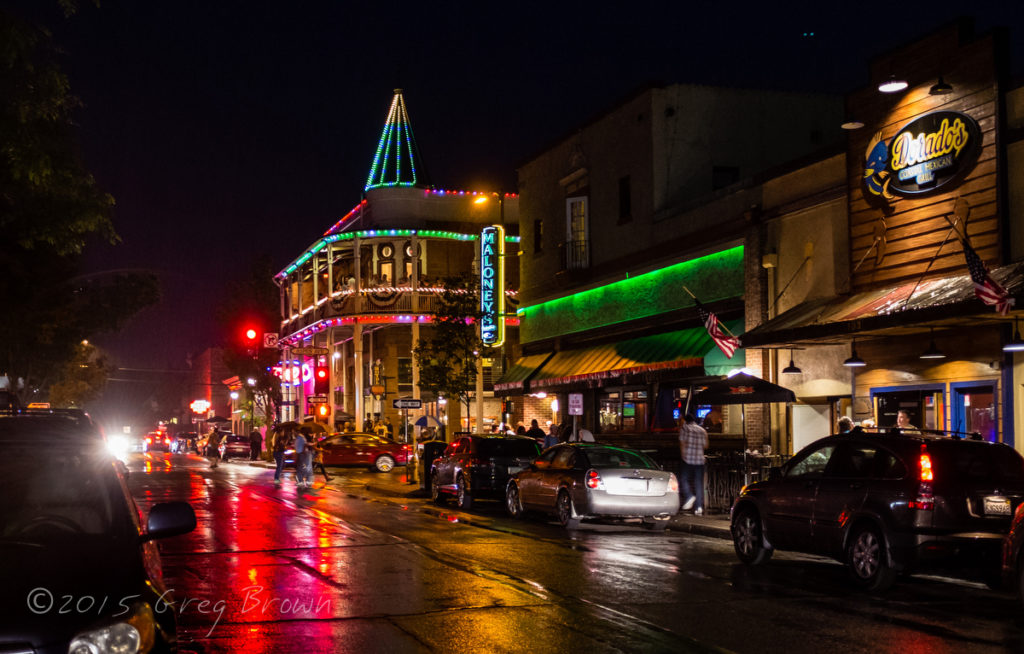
pixel 492 285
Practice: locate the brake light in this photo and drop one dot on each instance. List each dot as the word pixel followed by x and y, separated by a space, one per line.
pixel 673 483
pixel 149 440
pixel 925 499
pixel 594 479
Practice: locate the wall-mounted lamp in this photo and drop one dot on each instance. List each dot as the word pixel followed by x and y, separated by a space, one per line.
pixel 932 352
pixel 892 85
pixel 854 361
pixel 791 369
pixel 1016 345
pixel 940 88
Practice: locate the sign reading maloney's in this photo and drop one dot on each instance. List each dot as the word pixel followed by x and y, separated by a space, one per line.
pixel 492 285
pixel 926 154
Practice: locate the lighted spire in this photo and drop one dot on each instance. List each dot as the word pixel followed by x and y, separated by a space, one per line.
pixel 398 161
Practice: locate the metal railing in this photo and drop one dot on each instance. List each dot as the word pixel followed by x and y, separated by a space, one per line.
pixel 726 473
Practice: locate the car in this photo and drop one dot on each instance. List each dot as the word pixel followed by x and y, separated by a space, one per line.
pixel 72 537
pixel 233 445
pixel 184 442
pixel 885 503
pixel 359 449
pixel 156 441
pixel 587 481
pixel 479 466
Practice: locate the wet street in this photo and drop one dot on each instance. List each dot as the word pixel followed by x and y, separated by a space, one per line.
pixel 351 568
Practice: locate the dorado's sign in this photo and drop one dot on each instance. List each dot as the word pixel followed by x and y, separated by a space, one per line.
pixel 492 285
pixel 927 154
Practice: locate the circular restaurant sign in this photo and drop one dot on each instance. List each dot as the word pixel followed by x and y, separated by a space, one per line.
pixel 927 154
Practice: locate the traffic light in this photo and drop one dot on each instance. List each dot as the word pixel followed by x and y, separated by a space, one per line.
pixel 323 410
pixel 250 339
pixel 321 380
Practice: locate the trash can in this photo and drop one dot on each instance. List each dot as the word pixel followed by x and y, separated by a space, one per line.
pixel 431 450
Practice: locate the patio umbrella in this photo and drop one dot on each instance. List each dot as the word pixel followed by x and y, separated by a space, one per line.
pixel 291 424
pixel 427 421
pixel 315 427
pixel 742 389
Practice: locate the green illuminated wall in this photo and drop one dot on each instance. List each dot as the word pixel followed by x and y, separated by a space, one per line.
pixel 713 277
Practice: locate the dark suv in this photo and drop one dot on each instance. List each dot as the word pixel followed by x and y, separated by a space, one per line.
pixel 475 466
pixel 80 571
pixel 886 502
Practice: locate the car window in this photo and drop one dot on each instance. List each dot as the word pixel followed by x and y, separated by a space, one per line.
pixel 812 465
pixel 513 447
pixel 563 459
pixel 544 460
pixel 852 461
pixel 888 466
pixel 613 457
pixel 976 461
pixel 464 446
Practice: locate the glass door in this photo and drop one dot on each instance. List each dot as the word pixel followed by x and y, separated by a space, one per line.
pixel 974 409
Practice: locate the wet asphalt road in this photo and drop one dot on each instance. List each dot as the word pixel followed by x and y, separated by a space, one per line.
pixel 344 569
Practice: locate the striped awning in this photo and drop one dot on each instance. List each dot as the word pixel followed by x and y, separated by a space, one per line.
pixel 520 371
pixel 679 349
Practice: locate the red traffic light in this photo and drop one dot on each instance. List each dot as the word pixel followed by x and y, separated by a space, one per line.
pixel 321 380
pixel 250 335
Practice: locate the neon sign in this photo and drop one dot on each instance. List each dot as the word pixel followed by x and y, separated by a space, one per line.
pixel 492 285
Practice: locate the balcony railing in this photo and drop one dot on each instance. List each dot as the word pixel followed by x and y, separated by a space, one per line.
pixel 575 255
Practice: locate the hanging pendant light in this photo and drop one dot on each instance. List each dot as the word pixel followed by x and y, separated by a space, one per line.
pixel 940 88
pixel 1016 345
pixel 932 352
pixel 854 361
pixel 791 369
pixel 892 85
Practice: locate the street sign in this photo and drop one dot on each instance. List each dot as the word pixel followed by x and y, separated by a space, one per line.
pixel 317 399
pixel 310 351
pixel 270 340
pixel 575 404
pixel 407 403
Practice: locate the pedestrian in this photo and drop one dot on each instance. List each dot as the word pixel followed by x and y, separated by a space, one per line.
pixel 255 445
pixel 845 425
pixel 368 425
pixel 520 430
pixel 586 436
pixel 303 460
pixel 213 447
pixel 693 441
pixel 389 428
pixel 281 437
pixel 318 461
pixel 535 432
pixel 551 439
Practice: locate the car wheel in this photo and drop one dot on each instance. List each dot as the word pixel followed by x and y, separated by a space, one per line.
pixel 384 463
pixel 512 502
pixel 655 524
pixel 463 495
pixel 747 538
pixel 435 490
pixel 865 557
pixel 565 511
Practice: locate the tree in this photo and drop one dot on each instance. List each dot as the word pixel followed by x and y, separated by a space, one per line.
pixel 50 208
pixel 448 357
pixel 81 379
pixel 252 300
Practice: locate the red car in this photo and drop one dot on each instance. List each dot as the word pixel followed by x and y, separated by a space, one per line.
pixel 358 449
pixel 156 441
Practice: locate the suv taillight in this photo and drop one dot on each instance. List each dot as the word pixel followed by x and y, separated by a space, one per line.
pixel 673 483
pixel 594 480
pixel 925 499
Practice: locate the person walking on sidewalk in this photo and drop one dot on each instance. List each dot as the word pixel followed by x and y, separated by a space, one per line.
pixel 317 450
pixel 255 445
pixel 303 461
pixel 281 438
pixel 693 441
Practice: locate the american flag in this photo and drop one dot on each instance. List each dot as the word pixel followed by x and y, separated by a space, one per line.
pixel 987 289
pixel 727 344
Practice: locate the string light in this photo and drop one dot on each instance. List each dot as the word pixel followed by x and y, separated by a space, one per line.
pixel 397 132
pixel 373 319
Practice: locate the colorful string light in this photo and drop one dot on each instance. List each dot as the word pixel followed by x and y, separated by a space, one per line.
pixel 397 132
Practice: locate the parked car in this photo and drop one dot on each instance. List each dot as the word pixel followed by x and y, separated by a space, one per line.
pixel 886 503
pixel 70 529
pixel 359 449
pixel 156 441
pixel 479 466
pixel 580 481
pixel 233 445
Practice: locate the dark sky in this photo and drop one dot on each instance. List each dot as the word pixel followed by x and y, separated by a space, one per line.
pixel 229 128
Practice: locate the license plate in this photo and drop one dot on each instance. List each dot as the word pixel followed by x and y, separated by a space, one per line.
pixel 997 506
pixel 636 485
pixel 514 469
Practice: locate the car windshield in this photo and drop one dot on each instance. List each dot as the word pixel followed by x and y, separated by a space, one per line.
pixel 59 495
pixel 517 447
pixel 613 457
pixel 237 439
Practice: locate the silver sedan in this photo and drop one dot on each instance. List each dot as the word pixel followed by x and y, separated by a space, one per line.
pixel 576 481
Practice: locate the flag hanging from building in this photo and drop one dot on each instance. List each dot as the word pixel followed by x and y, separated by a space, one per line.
pixel 727 343
pixel 987 289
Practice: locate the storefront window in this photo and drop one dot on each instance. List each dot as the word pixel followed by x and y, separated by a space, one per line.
pixel 924 406
pixel 974 409
pixel 623 411
pixel 611 411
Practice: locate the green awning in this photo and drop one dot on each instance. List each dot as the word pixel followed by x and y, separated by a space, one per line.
pixel 685 348
pixel 520 371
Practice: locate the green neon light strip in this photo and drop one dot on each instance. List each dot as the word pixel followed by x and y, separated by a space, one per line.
pixel 712 277
pixel 378 233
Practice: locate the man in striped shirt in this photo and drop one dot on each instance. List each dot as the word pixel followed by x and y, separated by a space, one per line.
pixel 693 440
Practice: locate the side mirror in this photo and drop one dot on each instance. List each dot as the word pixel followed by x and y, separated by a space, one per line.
pixel 775 472
pixel 169 519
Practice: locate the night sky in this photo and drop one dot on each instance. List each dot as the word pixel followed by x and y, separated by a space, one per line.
pixel 226 129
